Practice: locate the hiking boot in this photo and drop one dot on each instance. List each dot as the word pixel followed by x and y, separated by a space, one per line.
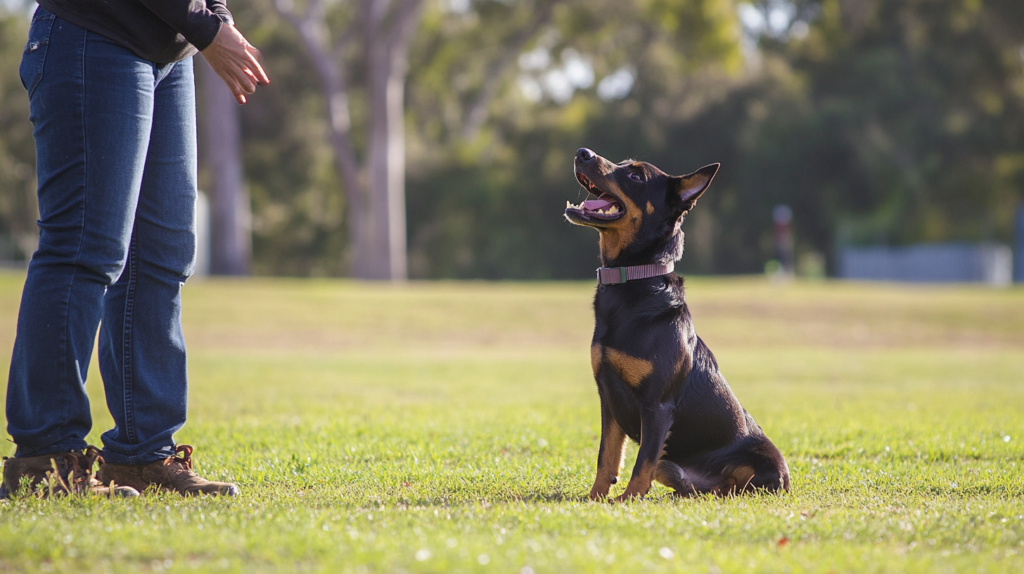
pixel 61 473
pixel 173 473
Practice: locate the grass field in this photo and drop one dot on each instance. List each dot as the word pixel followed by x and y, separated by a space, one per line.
pixel 452 427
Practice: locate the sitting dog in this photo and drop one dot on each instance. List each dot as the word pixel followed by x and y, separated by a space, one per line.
pixel 658 382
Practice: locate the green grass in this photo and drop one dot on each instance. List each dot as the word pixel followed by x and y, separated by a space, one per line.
pixel 452 427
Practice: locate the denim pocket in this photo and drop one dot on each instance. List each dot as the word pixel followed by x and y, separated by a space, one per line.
pixel 34 56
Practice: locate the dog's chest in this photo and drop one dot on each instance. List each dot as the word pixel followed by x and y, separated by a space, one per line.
pixel 639 347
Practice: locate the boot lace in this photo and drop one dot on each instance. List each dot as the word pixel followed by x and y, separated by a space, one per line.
pixel 76 473
pixel 185 460
pixel 90 457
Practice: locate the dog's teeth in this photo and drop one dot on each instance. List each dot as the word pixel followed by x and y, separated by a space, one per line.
pixel 613 210
pixel 567 204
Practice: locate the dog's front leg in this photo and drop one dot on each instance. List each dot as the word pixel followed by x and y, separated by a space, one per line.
pixel 654 426
pixel 609 454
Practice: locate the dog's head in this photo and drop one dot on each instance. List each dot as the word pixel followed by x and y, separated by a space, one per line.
pixel 638 207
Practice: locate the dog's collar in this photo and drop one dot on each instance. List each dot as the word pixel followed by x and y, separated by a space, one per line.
pixel 619 275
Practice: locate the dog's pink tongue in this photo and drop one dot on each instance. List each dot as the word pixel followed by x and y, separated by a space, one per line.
pixel 595 204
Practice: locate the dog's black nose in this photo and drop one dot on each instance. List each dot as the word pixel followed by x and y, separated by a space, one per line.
pixel 584 154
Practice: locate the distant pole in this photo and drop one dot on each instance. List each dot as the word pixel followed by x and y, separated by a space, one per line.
pixel 1018 247
pixel 782 216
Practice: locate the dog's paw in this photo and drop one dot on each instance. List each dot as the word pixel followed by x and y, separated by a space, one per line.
pixel 602 485
pixel 627 497
pixel 630 495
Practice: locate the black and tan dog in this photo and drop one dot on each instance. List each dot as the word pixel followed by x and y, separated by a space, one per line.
pixel 659 383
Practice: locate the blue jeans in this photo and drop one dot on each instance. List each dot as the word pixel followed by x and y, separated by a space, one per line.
pixel 116 162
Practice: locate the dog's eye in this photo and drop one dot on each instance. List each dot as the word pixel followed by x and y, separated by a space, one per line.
pixel 636 176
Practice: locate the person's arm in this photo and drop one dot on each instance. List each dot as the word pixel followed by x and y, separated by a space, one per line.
pixel 220 8
pixel 208 25
pixel 193 19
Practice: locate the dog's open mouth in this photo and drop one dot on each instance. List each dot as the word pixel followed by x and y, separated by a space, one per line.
pixel 606 207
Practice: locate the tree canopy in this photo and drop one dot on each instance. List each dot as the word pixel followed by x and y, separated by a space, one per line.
pixel 877 121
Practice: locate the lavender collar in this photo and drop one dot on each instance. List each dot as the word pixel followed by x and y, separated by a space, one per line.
pixel 619 275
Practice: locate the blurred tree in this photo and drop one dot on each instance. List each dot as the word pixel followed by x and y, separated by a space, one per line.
pixel 375 190
pixel 607 75
pixel 18 209
pixel 904 122
pixel 298 209
pixel 876 120
pixel 485 197
pixel 375 186
pixel 230 212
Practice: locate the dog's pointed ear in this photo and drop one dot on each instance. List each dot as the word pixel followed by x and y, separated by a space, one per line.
pixel 690 187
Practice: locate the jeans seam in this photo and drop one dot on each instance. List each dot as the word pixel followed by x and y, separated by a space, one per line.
pixel 65 334
pixel 126 346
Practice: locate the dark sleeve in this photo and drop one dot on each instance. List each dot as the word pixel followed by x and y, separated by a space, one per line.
pixel 220 8
pixel 197 20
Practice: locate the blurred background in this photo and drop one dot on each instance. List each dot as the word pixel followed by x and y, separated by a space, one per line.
pixel 416 139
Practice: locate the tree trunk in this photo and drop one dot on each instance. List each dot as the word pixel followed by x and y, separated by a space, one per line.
pixel 375 187
pixel 230 211
pixel 373 261
pixel 374 190
pixel 394 99
pixel 384 253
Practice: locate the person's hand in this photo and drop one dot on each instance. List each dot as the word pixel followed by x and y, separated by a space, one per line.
pixel 234 60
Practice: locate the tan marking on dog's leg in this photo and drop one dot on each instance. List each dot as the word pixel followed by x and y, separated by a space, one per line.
pixel 632 369
pixel 613 448
pixel 595 358
pixel 640 484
